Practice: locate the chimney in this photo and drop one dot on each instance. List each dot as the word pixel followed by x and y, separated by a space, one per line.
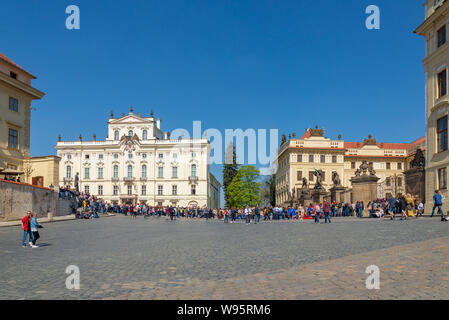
pixel 158 123
pixel 59 138
pixel 95 137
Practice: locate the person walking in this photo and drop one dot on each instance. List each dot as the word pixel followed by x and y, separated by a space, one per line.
pixel 437 203
pixel 248 214
pixel 326 209
pixel 256 214
pixel 317 213
pixel 26 227
pixel 34 229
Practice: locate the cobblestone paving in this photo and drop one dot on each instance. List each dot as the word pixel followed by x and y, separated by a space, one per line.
pixel 121 258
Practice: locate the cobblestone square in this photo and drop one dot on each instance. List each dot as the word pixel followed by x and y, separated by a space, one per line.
pixel 154 258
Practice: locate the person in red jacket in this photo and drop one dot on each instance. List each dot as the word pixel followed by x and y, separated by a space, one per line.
pixel 26 226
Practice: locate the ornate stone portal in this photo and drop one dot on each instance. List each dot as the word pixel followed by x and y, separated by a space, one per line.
pixel 364 184
pixel 415 178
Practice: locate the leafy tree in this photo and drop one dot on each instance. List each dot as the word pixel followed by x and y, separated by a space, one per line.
pixel 230 169
pixel 244 189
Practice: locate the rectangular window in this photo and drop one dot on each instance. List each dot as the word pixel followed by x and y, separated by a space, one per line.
pixel 311 176
pixel 86 157
pixel 174 190
pixel 115 191
pixel 144 190
pixel 442 83
pixel 130 190
pixel 399 166
pixel 174 172
pixel 160 190
pixel 13 139
pixel 161 155
pixel 160 172
pixel 86 173
pixel 388 166
pixel 334 159
pixel 299 158
pixel 388 182
pixel 100 173
pixel 13 75
pixel 399 182
pixel 193 190
pixel 100 190
pixel 442 134
pixel 13 104
pixel 100 156
pixel 311 158
pixel 299 175
pixel 322 159
pixel 441 36
pixel 352 165
pixel 442 175
pixel 86 189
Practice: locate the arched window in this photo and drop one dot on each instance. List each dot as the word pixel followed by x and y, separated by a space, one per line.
pixel 144 171
pixel 144 135
pixel 193 170
pixel 130 171
pixel 68 172
pixel 116 171
pixel 130 133
pixel 116 137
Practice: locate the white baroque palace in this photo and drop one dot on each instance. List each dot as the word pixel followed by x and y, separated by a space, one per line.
pixel 138 162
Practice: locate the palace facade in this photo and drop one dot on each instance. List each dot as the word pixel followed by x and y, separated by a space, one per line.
pixel 139 162
pixel 299 157
pixel 436 65
pixel 16 96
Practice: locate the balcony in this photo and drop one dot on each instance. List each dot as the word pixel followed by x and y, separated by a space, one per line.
pixel 143 178
pixel 127 179
pixel 193 179
pixel 115 179
pixel 67 180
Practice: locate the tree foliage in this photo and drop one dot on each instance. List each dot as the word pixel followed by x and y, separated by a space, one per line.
pixel 244 189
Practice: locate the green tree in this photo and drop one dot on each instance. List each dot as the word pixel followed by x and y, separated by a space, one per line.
pixel 244 189
pixel 230 169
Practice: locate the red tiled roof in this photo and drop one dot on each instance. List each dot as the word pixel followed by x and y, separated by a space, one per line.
pixel 9 61
pixel 386 145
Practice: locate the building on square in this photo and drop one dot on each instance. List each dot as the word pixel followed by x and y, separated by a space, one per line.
pixel 299 157
pixel 139 162
pixel 16 96
pixel 436 64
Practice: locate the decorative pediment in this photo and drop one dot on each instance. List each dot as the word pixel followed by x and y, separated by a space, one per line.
pixel 160 162
pixel 129 119
pixel 175 163
pixel 86 164
pixel 68 162
pixel 100 164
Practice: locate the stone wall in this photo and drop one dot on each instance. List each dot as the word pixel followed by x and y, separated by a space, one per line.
pixel 17 198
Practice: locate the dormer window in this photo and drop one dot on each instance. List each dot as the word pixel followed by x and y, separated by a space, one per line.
pixel 13 75
pixel 130 133
pixel 144 135
pixel 116 133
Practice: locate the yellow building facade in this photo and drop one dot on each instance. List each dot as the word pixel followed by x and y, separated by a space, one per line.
pixel 436 65
pixel 298 158
pixel 16 96
pixel 42 171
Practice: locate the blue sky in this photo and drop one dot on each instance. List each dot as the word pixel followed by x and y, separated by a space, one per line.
pixel 231 64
